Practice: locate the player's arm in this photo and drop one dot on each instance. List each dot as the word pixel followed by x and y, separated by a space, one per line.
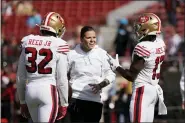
pixel 69 66
pixel 62 85
pixel 21 77
pixel 62 80
pixel 136 66
pixel 69 76
pixel 141 54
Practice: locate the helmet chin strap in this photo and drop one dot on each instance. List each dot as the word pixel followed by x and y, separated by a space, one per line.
pixel 141 38
pixel 151 33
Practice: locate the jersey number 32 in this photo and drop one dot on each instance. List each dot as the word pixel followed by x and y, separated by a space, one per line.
pixel 40 66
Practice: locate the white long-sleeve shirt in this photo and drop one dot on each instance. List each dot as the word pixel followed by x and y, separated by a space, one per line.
pixel 85 68
pixel 43 60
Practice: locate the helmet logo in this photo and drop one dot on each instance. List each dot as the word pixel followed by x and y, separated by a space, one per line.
pixel 143 19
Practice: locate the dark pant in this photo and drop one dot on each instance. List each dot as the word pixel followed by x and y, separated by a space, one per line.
pixel 84 111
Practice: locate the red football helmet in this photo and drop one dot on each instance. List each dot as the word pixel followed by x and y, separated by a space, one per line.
pixel 53 22
pixel 147 24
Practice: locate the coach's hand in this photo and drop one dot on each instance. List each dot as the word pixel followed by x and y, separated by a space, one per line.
pixel 95 88
pixel 24 111
pixel 61 112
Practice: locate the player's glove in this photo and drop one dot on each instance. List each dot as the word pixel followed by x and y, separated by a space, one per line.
pixel 114 63
pixel 24 111
pixel 61 112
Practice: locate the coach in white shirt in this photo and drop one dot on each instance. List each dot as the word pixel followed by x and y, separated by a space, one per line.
pixel 89 72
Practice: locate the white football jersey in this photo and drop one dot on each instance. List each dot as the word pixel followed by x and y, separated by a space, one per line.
pixel 88 68
pixel 41 56
pixel 153 54
pixel 43 60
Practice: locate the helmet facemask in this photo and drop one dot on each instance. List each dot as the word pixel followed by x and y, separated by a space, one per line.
pixel 61 32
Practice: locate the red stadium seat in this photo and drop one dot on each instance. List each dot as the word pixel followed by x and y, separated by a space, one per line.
pixel 73 12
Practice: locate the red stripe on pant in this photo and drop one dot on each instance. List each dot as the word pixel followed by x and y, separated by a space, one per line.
pixel 54 104
pixel 138 104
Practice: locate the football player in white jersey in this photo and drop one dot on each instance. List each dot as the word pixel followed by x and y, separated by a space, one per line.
pixel 42 72
pixel 144 71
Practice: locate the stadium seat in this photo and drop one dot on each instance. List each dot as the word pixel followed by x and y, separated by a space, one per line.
pixel 73 12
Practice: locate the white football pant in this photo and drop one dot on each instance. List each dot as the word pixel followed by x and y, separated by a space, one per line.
pixel 143 103
pixel 42 102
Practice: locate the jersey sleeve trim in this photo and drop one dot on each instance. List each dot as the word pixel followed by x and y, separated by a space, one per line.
pixel 63 49
pixel 141 51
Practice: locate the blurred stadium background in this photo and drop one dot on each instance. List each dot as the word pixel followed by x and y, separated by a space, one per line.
pixel 113 20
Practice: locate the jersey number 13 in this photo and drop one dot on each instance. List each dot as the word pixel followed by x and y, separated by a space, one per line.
pixel 158 62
